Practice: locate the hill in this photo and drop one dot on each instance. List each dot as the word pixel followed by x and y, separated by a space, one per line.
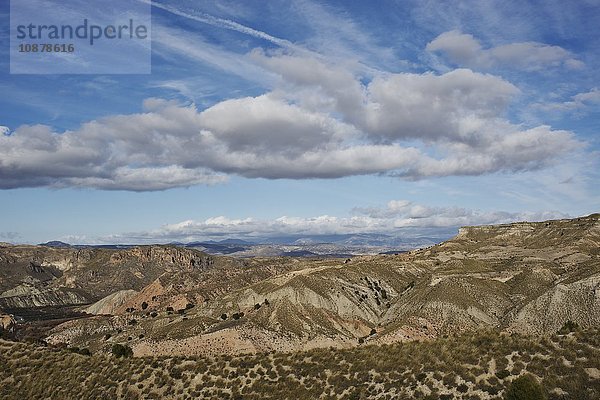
pixel 528 278
pixel 481 365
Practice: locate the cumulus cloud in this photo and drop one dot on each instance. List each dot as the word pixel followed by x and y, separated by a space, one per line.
pixel 322 121
pixel 464 49
pixel 458 105
pixel 397 218
pixel 579 102
pixel 4 130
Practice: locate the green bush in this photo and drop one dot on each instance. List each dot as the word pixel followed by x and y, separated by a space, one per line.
pixel 568 327
pixel 503 373
pixel 77 350
pixel 120 350
pixel 525 387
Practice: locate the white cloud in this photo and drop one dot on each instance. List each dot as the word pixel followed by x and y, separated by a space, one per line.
pixel 222 23
pixel 464 49
pixel 168 41
pixel 453 121
pixel 12 236
pixel 320 121
pixel 397 218
pixel 407 214
pixel 4 130
pixel 579 102
pixel 459 105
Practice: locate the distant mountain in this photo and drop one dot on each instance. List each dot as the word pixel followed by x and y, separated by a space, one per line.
pixel 225 241
pixel 235 241
pixel 363 239
pixel 299 253
pixel 55 243
pixel 319 245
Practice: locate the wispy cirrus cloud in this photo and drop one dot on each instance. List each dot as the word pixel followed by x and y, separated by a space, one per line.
pixel 223 23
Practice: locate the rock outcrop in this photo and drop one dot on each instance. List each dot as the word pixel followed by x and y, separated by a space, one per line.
pixel 7 323
pixel 111 303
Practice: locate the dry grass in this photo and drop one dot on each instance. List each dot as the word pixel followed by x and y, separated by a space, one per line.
pixel 471 366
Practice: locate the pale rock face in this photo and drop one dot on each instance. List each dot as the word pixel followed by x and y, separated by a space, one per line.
pixel 111 303
pixel 42 298
pixel 577 301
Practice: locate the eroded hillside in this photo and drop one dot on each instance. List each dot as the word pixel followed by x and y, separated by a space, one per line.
pixel 524 277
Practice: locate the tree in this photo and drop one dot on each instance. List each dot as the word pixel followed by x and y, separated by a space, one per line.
pixel 525 387
pixel 120 350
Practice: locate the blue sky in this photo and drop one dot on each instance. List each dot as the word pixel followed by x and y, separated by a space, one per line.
pixel 273 118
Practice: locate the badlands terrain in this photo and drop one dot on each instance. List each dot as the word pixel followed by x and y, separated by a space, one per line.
pixel 463 318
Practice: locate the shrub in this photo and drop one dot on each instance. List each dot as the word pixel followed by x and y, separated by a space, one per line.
pixel 568 327
pixel 144 305
pixel 223 316
pixel 120 350
pixel 525 387
pixel 176 373
pixel 77 350
pixel 462 388
pixel 503 374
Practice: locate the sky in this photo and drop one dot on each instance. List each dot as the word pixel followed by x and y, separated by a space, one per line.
pixel 310 117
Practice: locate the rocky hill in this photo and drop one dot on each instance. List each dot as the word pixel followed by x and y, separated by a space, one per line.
pixel 36 276
pixel 528 278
